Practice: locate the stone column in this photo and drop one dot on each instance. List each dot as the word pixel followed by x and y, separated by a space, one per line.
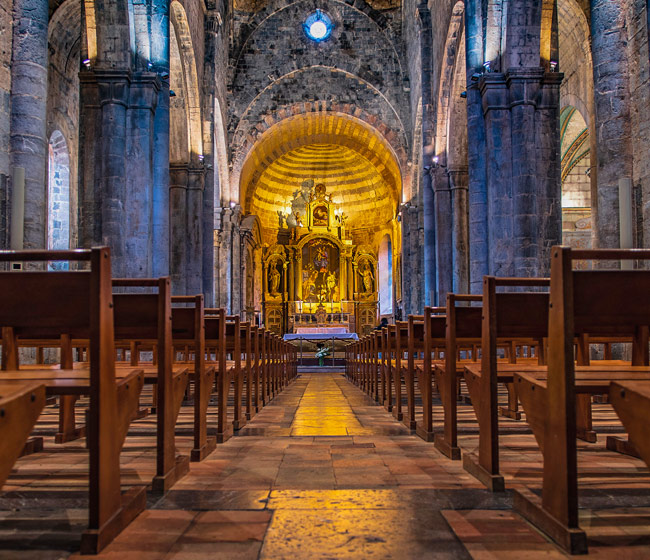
pixel 178 183
pixel 406 262
pixel 443 221
pixel 429 249
pixel 28 141
pixel 458 183
pixel 114 89
pixel 416 252
pixel 498 154
pixel 425 39
pixel 194 233
pixel 138 202
pixel 609 37
pixel 161 192
pixel 236 261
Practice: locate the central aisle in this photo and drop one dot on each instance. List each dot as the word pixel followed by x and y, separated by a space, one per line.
pixel 323 472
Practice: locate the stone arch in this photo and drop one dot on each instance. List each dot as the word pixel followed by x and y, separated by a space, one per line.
pixel 190 80
pixel 452 53
pixel 244 143
pixel 222 190
pixel 385 276
pixel 58 193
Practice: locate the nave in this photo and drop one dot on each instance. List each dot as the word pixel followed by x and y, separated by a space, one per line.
pixel 323 472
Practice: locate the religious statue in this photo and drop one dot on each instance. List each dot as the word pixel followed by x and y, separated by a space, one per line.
pixel 331 285
pixel 274 279
pixel 308 284
pixel 368 279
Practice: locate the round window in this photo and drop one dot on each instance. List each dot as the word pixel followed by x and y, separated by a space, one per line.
pixel 318 26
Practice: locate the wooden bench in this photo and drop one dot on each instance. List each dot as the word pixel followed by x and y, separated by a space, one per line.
pixel 188 335
pixel 215 339
pixel 631 401
pixel 78 304
pixel 462 329
pixel 511 316
pixel 20 406
pixel 603 303
pixel 146 319
pixel 426 338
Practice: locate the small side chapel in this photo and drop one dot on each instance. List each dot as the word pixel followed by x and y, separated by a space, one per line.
pixel 316 279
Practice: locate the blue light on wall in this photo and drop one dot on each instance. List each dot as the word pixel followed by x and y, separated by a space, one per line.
pixel 318 26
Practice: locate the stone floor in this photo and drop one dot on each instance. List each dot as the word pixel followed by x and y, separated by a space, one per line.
pixel 321 472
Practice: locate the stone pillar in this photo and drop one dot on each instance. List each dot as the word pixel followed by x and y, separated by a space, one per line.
pixel 416 254
pixel 458 182
pixel 609 37
pixel 138 201
pixel 523 170
pixel 194 234
pixel 161 191
pixel 28 141
pixel 444 224
pixel 178 183
pixel 114 89
pixel 235 305
pixel 406 262
pixel 425 40
pixel 498 154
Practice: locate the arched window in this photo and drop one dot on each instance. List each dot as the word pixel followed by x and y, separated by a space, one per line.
pixel 58 196
pixel 385 266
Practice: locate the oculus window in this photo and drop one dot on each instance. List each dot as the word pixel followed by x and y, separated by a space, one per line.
pixel 318 26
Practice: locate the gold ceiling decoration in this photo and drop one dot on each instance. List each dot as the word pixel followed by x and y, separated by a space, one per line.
pixel 352 160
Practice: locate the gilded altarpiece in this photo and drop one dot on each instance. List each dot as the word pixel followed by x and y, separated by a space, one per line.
pixel 315 279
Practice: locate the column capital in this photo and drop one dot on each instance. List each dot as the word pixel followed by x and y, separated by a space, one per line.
pixel 113 86
pixel 145 87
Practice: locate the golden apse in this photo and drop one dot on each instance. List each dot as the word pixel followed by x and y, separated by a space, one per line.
pixel 326 189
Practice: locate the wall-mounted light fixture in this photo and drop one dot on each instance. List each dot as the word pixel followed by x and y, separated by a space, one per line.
pixel 553 65
pixel 463 94
pixel 172 93
pixel 487 65
pixel 86 63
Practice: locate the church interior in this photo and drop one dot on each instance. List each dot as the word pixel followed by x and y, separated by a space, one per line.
pixel 324 279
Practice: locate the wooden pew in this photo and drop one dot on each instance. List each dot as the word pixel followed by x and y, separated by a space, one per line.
pixel 511 316
pixel 215 338
pixel 463 328
pixel 145 318
pixel 602 302
pixel 20 406
pixel 78 304
pixel 433 337
pixel 414 347
pixel 188 332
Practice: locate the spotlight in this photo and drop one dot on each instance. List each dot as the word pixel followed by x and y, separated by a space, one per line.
pixel 233 204
pixel 553 65
pixel 476 76
pixel 463 94
pixel 150 65
pixel 164 75
pixel 201 157
pixel 172 93
pixel 486 65
pixel 86 63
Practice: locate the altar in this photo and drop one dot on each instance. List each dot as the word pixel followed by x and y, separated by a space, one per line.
pixel 316 279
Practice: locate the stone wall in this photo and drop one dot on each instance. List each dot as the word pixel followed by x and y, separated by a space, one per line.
pixel 5 88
